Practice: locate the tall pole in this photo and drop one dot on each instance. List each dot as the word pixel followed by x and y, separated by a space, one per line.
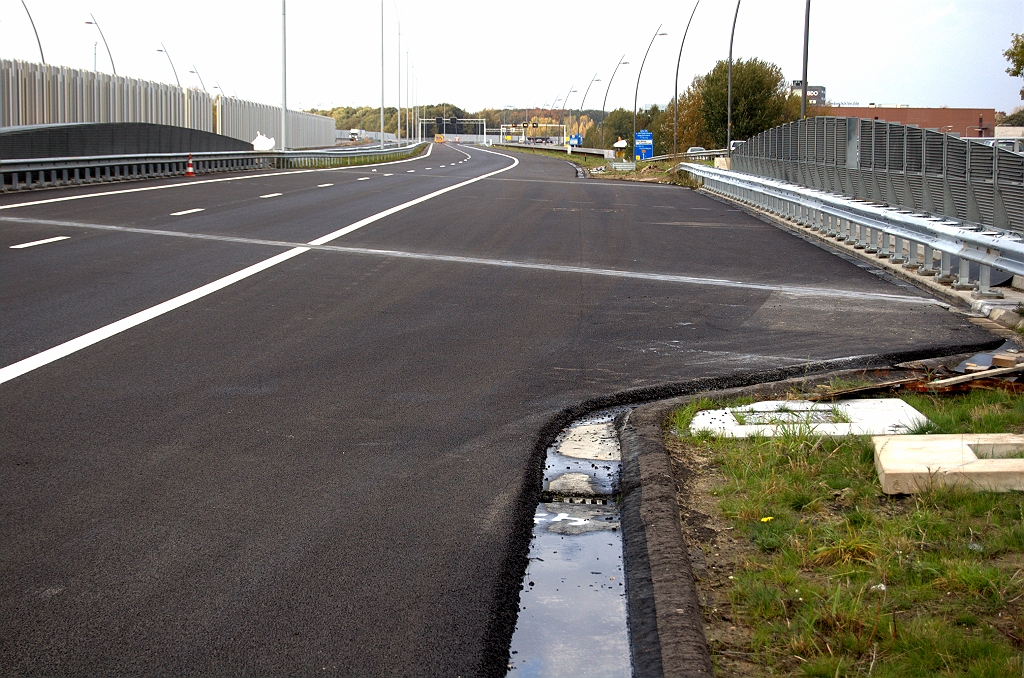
pixel 104 38
pixel 606 90
pixel 565 106
pixel 636 94
pixel 382 74
pixel 728 104
pixel 284 78
pixel 803 87
pixel 579 120
pixel 675 100
pixel 196 71
pixel 32 21
pixel 168 55
pixel 398 113
pixel 408 110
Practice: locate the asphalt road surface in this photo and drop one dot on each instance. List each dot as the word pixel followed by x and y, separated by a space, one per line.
pixel 227 451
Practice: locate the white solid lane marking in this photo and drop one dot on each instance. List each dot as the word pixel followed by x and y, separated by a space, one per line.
pixel 430 149
pixel 21 367
pixel 363 179
pixel 191 211
pixel 271 195
pixel 38 242
pixel 323 185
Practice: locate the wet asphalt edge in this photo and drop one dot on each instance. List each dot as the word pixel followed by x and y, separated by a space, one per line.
pixel 646 636
pixel 665 616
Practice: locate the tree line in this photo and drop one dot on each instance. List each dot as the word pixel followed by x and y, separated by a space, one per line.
pixel 760 100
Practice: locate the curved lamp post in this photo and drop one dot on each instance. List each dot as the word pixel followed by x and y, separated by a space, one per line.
pixel 195 72
pixel 728 105
pixel 32 21
pixel 637 92
pixel 675 101
pixel 104 38
pixel 565 106
pixel 622 62
pixel 164 50
pixel 580 118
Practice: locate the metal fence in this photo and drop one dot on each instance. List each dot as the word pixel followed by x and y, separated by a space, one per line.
pixel 41 94
pixel 918 169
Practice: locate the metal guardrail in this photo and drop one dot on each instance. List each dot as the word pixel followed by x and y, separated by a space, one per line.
pixel 19 175
pixel 918 169
pixel 555 147
pixel 887 232
pixel 702 155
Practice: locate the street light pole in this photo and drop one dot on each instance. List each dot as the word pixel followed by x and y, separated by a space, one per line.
pixel 32 21
pixel 803 87
pixel 565 107
pixel 675 100
pixel 168 55
pixel 398 112
pixel 728 105
pixel 195 71
pixel 103 37
pixel 284 78
pixel 579 120
pixel 606 90
pixel 382 74
pixel 636 94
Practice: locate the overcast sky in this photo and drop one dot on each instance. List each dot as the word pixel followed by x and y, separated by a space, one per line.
pixel 527 53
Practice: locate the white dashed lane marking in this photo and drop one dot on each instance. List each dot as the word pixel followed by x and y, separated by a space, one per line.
pixel 39 242
pixel 323 185
pixel 184 212
pixel 271 195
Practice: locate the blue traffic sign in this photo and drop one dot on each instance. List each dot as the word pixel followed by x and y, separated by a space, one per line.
pixel 575 140
pixel 643 145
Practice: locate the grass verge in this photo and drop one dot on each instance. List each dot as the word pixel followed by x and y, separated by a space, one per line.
pixel 650 172
pixel 810 570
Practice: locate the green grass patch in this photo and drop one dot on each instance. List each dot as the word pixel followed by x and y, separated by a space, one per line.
pixel 841 580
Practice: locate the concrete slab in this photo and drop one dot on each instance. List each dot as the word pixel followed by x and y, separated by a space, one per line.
pixel 983 461
pixel 591 441
pixel 845 417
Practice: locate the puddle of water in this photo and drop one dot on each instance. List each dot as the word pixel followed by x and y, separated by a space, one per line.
pixel 572 611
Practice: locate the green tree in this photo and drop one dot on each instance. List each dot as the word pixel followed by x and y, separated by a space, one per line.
pixel 1015 55
pixel 618 124
pixel 690 127
pixel 758 99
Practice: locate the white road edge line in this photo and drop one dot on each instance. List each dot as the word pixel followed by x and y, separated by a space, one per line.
pixel 191 211
pixel 38 242
pixel 50 355
pixel 142 189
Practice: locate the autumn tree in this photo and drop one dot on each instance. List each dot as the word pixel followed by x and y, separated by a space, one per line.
pixel 1015 55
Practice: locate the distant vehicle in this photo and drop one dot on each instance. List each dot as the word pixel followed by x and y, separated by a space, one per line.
pixel 438 138
pixel 353 134
pixel 696 149
pixel 457 140
pixel 735 143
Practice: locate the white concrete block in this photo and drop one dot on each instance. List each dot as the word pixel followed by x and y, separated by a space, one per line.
pixel 982 461
pixel 845 417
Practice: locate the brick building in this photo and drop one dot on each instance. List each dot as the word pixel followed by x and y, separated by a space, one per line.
pixel 967 122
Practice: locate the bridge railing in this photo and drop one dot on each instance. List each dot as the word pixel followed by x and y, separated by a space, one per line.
pixel 898 165
pixel 20 175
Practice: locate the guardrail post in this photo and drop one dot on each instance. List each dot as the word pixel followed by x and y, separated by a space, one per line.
pixel 928 267
pixel 897 255
pixel 885 252
pixel 872 247
pixel 911 261
pixel 984 290
pixel 963 278
pixel 944 273
pixel 850 239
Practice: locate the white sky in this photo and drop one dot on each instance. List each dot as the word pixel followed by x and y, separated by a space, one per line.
pixel 526 53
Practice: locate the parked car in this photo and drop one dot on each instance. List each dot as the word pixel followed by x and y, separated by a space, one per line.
pixel 696 149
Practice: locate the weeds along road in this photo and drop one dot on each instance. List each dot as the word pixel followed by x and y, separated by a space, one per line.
pixel 253 455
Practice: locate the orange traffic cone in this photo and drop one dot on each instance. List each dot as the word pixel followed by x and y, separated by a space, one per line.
pixel 189 172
